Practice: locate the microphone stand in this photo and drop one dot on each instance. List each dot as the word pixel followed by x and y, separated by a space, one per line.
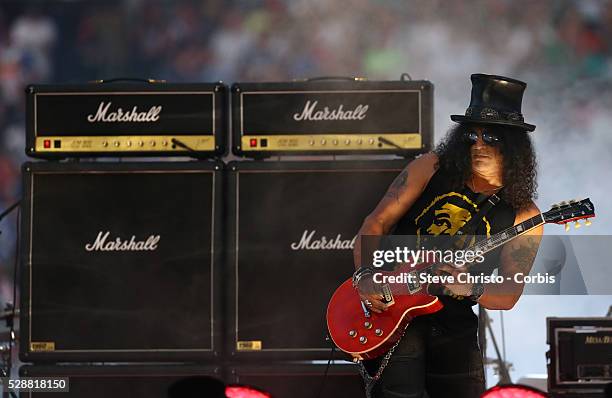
pixel 6 348
pixel 502 366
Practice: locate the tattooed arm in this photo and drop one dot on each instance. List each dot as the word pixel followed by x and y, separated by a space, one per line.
pixel 516 257
pixel 402 193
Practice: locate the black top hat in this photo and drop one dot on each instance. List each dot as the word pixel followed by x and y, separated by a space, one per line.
pixel 495 100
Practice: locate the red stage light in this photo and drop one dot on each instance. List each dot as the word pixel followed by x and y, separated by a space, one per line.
pixel 234 391
pixel 513 391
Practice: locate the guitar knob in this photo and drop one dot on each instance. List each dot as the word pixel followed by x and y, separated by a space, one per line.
pixel 577 224
pixel 363 339
pixel 378 332
pixel 353 333
pixel 367 325
pixel 567 227
pixel 587 222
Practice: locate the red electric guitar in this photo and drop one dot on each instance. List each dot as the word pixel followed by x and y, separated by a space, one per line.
pixel 367 335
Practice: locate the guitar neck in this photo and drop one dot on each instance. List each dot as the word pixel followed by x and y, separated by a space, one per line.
pixel 508 234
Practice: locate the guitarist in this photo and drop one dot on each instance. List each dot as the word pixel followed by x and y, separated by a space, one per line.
pixel 488 152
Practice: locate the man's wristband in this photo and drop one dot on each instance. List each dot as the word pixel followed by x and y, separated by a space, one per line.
pixel 360 273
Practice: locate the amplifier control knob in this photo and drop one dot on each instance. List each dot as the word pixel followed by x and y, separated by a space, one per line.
pixel 378 332
pixel 164 143
pixel 140 143
pixel 152 143
pixel 359 141
pixel 371 141
pixel 335 142
pixel 128 144
pixel 104 144
pixel 311 142
pixel 323 141
pixel 116 143
pixel 353 333
pixel 363 339
pixel 347 142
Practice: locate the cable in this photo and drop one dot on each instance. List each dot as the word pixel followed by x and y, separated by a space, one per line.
pixel 331 357
pixel 194 154
pixel 9 209
pixel 15 268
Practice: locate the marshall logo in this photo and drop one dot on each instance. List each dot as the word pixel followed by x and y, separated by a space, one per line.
pixel 104 244
pixel 598 340
pixel 311 113
pixel 103 114
pixel 307 242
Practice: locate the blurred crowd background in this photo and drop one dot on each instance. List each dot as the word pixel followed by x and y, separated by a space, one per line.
pixel 562 48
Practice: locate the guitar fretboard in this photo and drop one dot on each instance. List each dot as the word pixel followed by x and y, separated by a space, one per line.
pixel 507 234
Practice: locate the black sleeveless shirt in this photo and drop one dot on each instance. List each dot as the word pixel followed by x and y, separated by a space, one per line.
pixel 441 210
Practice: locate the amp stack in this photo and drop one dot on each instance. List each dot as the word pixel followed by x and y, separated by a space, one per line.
pixel 122 250
pixel 147 259
pixel 292 222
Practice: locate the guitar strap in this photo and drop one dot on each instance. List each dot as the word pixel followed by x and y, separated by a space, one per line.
pixel 487 202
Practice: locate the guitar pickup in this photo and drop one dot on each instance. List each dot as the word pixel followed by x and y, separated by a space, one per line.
pixel 413 283
pixel 387 294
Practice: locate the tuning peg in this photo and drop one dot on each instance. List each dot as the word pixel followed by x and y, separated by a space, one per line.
pixel 567 227
pixel 577 224
pixel 587 222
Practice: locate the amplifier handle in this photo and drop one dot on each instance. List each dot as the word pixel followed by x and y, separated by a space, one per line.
pixel 128 79
pixel 320 78
pixel 403 77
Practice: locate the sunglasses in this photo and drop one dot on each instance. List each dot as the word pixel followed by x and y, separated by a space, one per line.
pixel 489 138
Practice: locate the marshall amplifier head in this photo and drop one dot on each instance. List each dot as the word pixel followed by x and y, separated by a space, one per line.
pixel 332 117
pixel 580 356
pixel 120 262
pixel 126 119
pixel 292 227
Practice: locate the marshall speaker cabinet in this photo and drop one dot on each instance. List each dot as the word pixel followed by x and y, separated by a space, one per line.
pixel 117 381
pixel 292 226
pixel 120 262
pixel 580 356
pixel 332 117
pixel 126 119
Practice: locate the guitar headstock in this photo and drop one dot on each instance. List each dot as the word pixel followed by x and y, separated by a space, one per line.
pixel 574 210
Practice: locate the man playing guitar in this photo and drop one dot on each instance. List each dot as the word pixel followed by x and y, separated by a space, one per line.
pixel 488 152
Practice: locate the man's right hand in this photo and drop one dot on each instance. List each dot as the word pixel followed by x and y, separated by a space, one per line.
pixel 370 293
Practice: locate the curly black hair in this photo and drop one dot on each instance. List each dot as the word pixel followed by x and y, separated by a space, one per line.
pixel 519 175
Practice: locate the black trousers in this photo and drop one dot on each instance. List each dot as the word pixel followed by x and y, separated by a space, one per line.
pixel 432 361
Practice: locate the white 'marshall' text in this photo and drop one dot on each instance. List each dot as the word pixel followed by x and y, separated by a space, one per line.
pixel 103 115
pixel 323 243
pixel 102 243
pixel 309 113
